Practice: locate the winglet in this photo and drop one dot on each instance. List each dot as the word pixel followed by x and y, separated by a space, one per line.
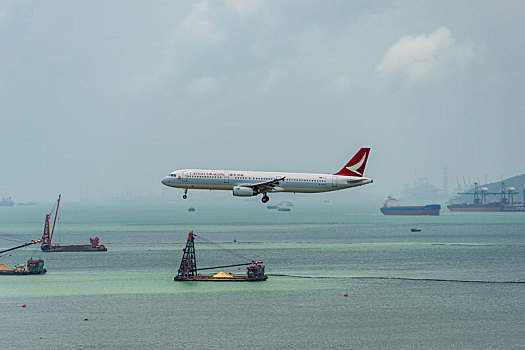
pixel 356 165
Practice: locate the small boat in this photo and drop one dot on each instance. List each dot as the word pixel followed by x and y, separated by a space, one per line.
pixel 272 207
pixel 191 209
pixel 284 209
pixel 415 229
pixel 26 203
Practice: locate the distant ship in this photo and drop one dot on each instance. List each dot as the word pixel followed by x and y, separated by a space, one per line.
pixel 6 202
pixel 392 207
pixel 480 204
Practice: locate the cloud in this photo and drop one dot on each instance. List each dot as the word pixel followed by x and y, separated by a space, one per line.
pixel 152 81
pixel 198 27
pixel 272 77
pixel 340 83
pixel 203 86
pixel 243 7
pixel 426 55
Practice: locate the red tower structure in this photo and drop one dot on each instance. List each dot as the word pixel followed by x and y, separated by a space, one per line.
pixel 47 236
pixel 188 265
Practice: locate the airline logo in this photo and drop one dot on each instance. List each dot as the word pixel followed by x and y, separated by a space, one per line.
pixel 355 168
pixel 356 165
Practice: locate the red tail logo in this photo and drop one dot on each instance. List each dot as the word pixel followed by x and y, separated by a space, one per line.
pixel 356 165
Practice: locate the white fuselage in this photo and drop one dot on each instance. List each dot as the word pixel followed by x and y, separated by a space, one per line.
pixel 292 182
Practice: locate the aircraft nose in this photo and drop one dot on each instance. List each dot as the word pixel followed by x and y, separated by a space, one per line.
pixel 165 180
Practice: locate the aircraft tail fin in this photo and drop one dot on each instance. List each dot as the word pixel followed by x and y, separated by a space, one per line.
pixel 356 165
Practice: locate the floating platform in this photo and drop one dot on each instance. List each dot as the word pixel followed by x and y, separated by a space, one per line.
pixel 75 248
pixel 226 277
pixel 93 247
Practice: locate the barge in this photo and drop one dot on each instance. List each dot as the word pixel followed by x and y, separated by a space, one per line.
pixel 47 236
pixel 188 268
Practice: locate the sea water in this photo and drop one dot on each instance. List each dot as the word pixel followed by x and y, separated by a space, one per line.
pixel 457 284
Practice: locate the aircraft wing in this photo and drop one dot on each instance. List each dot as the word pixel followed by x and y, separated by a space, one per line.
pixel 266 186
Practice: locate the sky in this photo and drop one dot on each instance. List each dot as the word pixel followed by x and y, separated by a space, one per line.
pixel 110 96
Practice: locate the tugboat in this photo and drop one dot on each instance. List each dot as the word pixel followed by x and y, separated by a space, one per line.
pixel 46 246
pixel 188 268
pixel 33 267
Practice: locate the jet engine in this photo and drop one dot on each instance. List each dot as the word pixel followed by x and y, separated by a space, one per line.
pixel 242 191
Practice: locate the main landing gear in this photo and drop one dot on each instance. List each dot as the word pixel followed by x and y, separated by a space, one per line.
pixel 265 198
pixel 184 196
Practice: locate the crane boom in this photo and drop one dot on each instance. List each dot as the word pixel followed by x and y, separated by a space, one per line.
pixel 20 246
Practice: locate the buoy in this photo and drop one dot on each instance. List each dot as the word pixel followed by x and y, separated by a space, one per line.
pixel 346 294
pixel 85 319
pixel 40 337
pixel 23 305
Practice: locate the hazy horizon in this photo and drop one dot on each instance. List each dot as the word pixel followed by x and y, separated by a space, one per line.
pixel 112 96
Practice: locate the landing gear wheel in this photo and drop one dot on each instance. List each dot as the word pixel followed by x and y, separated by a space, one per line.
pixel 265 199
pixel 184 196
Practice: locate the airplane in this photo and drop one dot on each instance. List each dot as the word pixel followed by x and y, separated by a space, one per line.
pixel 252 183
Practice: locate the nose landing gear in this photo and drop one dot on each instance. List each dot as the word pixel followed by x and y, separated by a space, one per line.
pixel 184 196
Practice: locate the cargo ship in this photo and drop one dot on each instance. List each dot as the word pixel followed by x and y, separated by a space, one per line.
pixel 6 202
pixel 47 236
pixel 392 207
pixel 188 268
pixel 33 267
pixel 506 202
